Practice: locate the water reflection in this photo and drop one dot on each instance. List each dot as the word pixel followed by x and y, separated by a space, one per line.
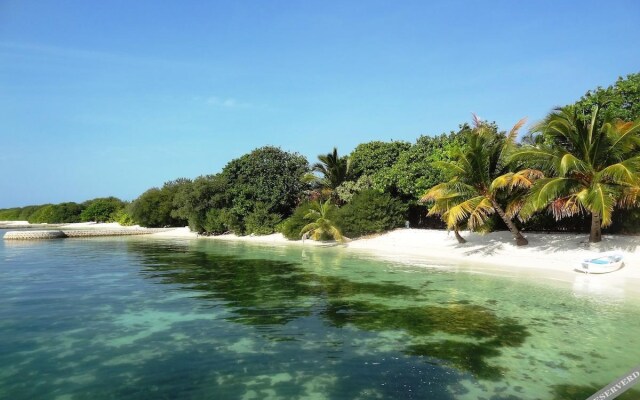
pixel 261 292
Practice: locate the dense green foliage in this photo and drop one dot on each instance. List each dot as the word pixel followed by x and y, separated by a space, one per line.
pixel 155 206
pixel 56 213
pixel 198 202
pixel 321 224
pixel 371 212
pixel 10 214
pixel 260 221
pixel 269 176
pixel 250 196
pixel 589 166
pixel 618 101
pixel 348 189
pixel 292 226
pixel 413 172
pixel 372 157
pixel 333 168
pixel 19 213
pixel 44 214
pixel 101 209
pixel 477 175
pixel 123 217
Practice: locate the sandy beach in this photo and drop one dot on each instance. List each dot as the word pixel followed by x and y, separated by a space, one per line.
pixel 549 257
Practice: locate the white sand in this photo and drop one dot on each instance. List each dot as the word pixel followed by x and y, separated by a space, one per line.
pixel 548 257
pixel 14 223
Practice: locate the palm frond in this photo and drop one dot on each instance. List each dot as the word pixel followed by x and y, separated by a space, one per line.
pixel 480 214
pixel 625 172
pixel 543 192
pixel 570 163
pixel 600 198
pixel 312 214
pixel 435 192
pixel 540 157
pixel 514 206
pixel 629 197
pixel 449 167
pixel 458 213
pixel 336 234
pixel 308 228
pixel 513 133
pixel 522 179
pixel 565 207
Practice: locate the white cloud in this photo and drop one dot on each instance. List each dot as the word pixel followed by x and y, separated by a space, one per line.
pixel 226 102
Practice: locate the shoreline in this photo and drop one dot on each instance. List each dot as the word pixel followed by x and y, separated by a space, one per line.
pixel 549 257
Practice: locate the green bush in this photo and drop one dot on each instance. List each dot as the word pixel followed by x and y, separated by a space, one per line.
pixel 123 217
pixel 268 175
pixel 213 222
pixel 101 209
pixel 222 220
pixel 193 200
pixel 371 212
pixel 67 212
pixel 43 214
pixel 292 226
pixel 154 207
pixel 260 221
pixel 10 214
pixel 348 189
pixel 27 212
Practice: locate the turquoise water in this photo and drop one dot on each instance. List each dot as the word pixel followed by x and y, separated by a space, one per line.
pixel 140 318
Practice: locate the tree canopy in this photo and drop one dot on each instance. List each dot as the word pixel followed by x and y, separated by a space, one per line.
pixel 590 166
pixel 101 209
pixel 618 101
pixel 267 175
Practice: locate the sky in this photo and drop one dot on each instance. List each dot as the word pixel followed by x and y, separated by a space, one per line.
pixel 115 97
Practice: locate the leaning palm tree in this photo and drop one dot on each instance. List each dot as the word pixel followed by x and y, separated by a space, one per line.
pixel 334 169
pixel 322 225
pixel 591 167
pixel 478 175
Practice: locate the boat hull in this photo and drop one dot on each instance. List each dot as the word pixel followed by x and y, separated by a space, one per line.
pixel 602 265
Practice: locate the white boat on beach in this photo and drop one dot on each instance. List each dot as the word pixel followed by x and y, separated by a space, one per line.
pixel 603 263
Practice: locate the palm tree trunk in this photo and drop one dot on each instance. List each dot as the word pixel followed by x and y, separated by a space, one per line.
pixel 459 238
pixel 596 228
pixel 520 240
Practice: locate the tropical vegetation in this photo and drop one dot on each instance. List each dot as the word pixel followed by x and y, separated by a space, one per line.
pixel 591 166
pixel 576 170
pixel 478 175
pixel 321 227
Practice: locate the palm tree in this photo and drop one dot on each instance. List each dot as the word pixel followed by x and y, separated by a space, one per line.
pixel 591 167
pixel 333 168
pixel 478 174
pixel 322 225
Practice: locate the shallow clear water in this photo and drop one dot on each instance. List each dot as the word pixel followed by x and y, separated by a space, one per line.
pixel 140 318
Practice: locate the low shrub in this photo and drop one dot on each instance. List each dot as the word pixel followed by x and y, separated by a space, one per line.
pixel 122 217
pixel 371 212
pixel 222 220
pixel 260 221
pixel 292 226
pixel 44 214
pixel 10 214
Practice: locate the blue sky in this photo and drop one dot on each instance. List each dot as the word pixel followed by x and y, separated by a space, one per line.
pixel 112 98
